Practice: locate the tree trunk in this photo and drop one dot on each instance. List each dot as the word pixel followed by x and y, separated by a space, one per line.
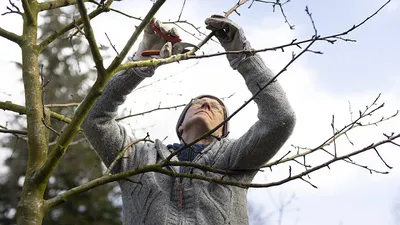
pixel 30 209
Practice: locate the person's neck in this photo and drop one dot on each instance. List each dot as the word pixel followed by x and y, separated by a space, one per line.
pixel 189 137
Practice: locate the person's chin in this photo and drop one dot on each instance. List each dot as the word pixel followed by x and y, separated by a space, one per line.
pixel 201 120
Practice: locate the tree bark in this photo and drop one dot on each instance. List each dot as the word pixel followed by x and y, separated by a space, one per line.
pixel 30 210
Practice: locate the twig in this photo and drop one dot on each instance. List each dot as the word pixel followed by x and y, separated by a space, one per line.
pixel 72 143
pixel 73 49
pixel 348 160
pixel 334 131
pixel 183 6
pixel 117 11
pixel 10 10
pixel 149 111
pixel 206 39
pixel 274 4
pixel 7 131
pixel 354 124
pixel 50 128
pixel 62 105
pixel 382 159
pixel 113 46
pixel 165 78
pixel 63 30
pixel 308 182
pixel 89 34
pixel 122 153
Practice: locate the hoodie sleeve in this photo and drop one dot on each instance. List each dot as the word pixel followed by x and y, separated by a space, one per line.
pixel 275 124
pixel 100 127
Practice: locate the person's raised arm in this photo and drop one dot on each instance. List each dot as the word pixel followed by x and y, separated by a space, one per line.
pixel 276 118
pixel 100 127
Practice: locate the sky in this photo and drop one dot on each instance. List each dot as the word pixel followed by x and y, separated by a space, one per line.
pixel 346 77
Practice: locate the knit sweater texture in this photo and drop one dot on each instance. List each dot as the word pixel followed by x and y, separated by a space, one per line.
pixel 156 199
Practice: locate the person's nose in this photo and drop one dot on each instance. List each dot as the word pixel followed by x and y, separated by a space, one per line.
pixel 206 105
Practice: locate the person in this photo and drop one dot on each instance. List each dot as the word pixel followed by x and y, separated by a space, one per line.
pixel 155 198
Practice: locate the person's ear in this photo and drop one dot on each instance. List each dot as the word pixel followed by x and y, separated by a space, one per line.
pixel 180 130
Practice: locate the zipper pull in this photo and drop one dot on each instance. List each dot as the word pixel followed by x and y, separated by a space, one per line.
pixel 180 195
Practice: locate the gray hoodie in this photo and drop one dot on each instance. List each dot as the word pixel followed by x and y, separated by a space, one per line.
pixel 156 199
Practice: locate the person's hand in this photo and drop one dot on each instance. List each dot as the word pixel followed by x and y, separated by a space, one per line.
pixel 231 37
pixel 152 41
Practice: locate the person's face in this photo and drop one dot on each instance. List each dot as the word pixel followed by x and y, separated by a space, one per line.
pixel 204 114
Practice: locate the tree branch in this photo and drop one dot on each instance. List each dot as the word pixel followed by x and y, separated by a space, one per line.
pixel 159 168
pixel 63 30
pixel 369 110
pixel 62 105
pixel 53 4
pixel 22 110
pixel 28 12
pixel 7 131
pixel 98 59
pixel 149 111
pixel 117 11
pixel 11 36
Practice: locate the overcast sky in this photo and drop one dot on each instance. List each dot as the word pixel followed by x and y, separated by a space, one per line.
pixel 347 74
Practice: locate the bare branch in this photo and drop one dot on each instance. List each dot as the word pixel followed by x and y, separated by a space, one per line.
pixel 62 105
pixel 149 111
pixel 122 153
pixel 7 131
pixel 114 10
pixel 16 135
pixel 112 45
pixel 394 143
pixel 72 143
pixel 16 10
pixel 159 168
pixel 28 12
pixel 293 43
pixel 63 30
pixel 50 128
pixel 334 132
pixel 22 110
pixel 308 182
pixel 382 159
pixel 11 36
pixel 348 160
pixel 274 4
pixel 165 78
pixel 53 4
pixel 350 126
pixel 183 6
pixel 97 58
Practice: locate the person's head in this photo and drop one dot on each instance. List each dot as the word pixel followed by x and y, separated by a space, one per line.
pixel 201 115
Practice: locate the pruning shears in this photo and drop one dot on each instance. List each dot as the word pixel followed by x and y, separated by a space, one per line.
pixel 178 47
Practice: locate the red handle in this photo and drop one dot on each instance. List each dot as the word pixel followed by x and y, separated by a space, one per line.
pixel 150 52
pixel 167 37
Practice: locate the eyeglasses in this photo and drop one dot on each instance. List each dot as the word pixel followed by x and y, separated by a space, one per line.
pixel 214 105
